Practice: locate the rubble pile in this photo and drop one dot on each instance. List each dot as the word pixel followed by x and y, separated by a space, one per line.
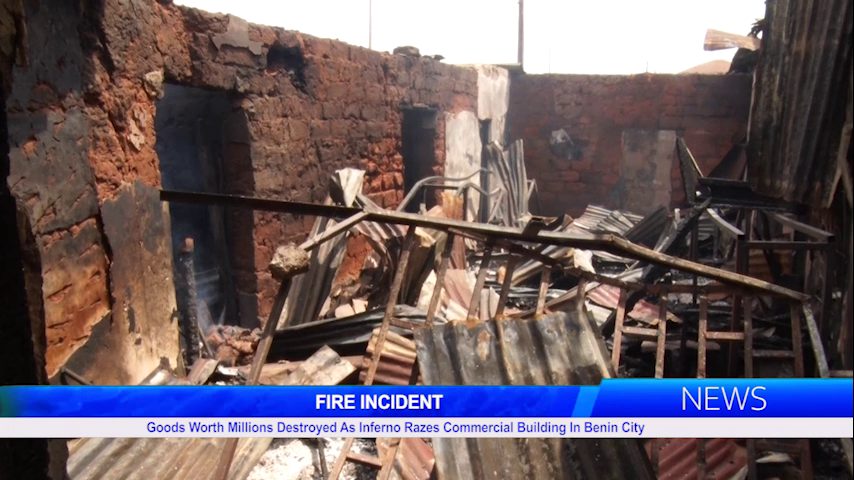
pixel 231 345
pixel 687 292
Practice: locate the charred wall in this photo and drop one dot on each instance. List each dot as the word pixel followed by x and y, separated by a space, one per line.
pixel 311 106
pixel 85 169
pixel 622 130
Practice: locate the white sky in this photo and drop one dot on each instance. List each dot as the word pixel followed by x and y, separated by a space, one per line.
pixel 561 36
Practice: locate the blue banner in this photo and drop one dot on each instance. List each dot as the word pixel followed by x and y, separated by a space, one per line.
pixel 759 398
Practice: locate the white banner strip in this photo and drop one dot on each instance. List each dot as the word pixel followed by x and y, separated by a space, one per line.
pixel 428 427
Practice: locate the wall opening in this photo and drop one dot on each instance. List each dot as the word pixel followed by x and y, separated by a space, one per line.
pixel 485 131
pixel 418 138
pixel 202 143
pixel 290 60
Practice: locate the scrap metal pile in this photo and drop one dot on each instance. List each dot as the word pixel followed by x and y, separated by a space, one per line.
pixel 474 289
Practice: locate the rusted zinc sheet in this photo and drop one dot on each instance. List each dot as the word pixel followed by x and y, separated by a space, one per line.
pixel 187 458
pixel 414 459
pixel 396 361
pixel 724 458
pixel 558 349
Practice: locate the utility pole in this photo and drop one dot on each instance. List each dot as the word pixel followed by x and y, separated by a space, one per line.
pixel 521 52
pixel 370 22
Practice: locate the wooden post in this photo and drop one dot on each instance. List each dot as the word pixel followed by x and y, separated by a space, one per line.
pixel 474 305
pixel 394 292
pixel 505 286
pixel 702 326
pixel 797 339
pixel 748 337
pixel 440 279
pixel 545 280
pixel 396 284
pixel 292 262
pixel 662 337
pixel 748 373
pixel 618 331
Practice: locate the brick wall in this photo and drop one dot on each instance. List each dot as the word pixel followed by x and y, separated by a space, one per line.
pixel 622 125
pixel 85 170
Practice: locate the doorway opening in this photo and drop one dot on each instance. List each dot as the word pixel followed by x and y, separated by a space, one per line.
pixel 418 132
pixel 197 131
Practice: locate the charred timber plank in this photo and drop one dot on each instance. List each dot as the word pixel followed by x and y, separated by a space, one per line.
pixel 779 354
pixel 815 342
pixel 364 459
pixel 641 332
pixel 651 289
pixel 718 40
pixel 618 331
pixel 725 336
pixel 623 246
pixel 661 340
pixel 606 242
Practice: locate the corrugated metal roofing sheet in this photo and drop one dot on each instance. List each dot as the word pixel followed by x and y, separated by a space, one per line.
pixel 601 219
pixel 799 108
pixel 558 349
pixel 678 458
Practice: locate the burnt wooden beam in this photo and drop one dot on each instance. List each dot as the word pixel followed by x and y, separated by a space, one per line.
pixel 605 242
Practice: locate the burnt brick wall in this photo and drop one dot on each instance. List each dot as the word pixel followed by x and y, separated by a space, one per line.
pixel 84 167
pixel 346 114
pixel 311 106
pixel 623 125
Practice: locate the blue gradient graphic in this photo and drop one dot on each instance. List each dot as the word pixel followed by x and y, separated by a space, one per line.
pixel 792 398
pixel 803 397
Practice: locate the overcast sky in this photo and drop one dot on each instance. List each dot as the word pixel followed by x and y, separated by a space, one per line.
pixel 561 36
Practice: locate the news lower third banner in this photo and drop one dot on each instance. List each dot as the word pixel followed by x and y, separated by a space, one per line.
pixel 620 408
